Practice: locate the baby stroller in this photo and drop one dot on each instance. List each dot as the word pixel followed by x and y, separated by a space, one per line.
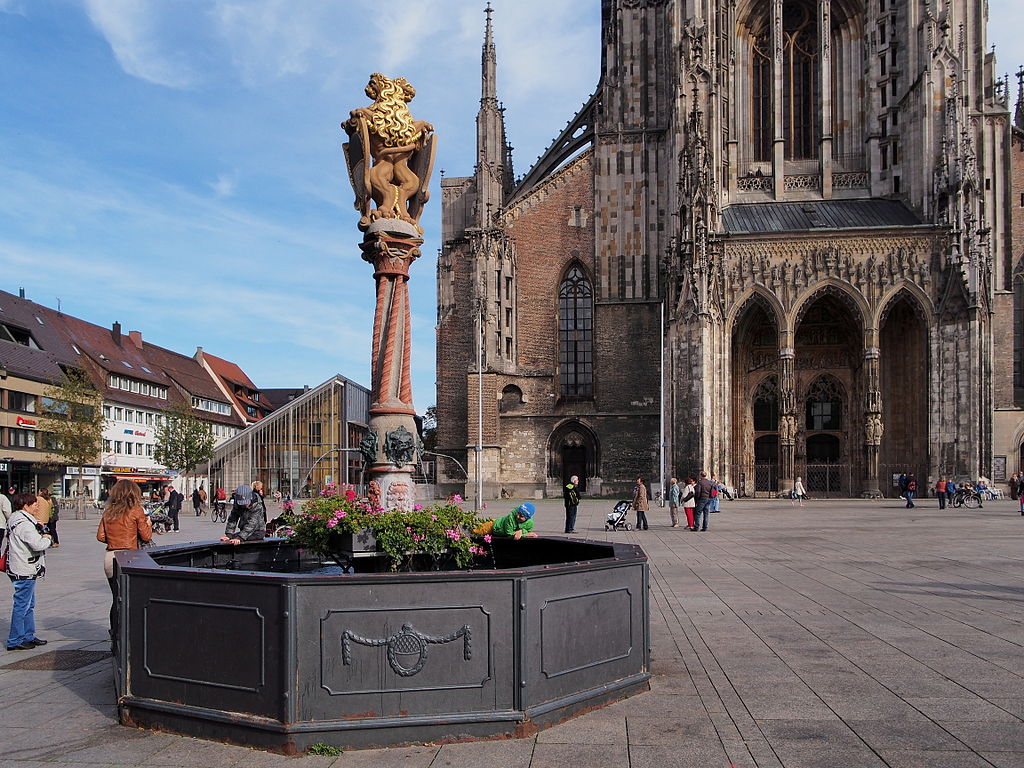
pixel 158 518
pixel 617 517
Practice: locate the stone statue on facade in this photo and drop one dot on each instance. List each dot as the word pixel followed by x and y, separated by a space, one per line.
pixel 873 429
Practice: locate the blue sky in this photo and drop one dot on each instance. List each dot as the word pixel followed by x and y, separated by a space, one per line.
pixel 176 165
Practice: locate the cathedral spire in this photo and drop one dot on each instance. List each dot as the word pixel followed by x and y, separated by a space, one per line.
pixel 1018 117
pixel 489 62
pixel 494 165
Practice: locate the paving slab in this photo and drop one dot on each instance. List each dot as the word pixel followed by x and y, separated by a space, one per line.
pixel 840 633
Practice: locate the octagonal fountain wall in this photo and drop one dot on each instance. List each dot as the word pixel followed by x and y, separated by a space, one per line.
pixel 257 645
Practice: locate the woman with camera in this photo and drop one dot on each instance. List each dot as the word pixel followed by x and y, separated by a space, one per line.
pixel 24 546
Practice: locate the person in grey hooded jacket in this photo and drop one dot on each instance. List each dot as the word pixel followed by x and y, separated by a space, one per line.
pixel 24 545
pixel 247 520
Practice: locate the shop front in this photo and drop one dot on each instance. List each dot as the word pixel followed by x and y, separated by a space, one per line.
pixel 150 480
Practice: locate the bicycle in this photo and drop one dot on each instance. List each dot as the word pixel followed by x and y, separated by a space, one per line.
pixel 966 497
pixel 219 513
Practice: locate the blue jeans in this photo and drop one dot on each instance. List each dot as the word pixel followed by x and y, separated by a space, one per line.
pixel 23 613
pixel 909 496
pixel 701 513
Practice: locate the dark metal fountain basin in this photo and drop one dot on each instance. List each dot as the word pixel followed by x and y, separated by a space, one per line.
pixel 245 644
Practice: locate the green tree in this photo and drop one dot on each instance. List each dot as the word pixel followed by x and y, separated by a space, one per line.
pixel 429 430
pixel 183 442
pixel 72 419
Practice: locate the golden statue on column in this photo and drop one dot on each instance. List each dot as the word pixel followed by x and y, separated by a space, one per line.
pixel 390 156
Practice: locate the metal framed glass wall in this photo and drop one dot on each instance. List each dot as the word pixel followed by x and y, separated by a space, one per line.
pixel 302 446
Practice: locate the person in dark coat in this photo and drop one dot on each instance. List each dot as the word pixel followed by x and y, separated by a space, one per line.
pixel 571 497
pixel 174 500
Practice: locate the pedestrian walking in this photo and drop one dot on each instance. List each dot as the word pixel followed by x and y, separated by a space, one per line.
pixel 940 492
pixel 673 501
pixel 124 524
pixel 1014 485
pixel 641 504
pixel 174 500
pixel 24 548
pixel 688 498
pixel 197 502
pixel 910 490
pixel 571 498
pixel 950 490
pixel 799 492
pixel 701 511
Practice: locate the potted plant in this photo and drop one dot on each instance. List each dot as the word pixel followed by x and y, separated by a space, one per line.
pixel 339 522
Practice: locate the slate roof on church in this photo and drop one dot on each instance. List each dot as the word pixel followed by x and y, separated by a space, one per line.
pixel 817 215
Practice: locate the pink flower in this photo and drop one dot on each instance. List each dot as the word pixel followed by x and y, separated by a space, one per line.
pixel 417 507
pixel 408 529
pixel 485 505
pixel 340 513
pixel 456 499
pixel 332 522
pixel 350 495
pixel 433 517
pixel 487 538
pixel 452 534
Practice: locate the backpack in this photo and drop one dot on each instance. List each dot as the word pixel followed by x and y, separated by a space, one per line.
pixel 714 493
pixel 912 485
pixel 221 496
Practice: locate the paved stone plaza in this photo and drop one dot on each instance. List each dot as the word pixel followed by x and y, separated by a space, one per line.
pixel 846 633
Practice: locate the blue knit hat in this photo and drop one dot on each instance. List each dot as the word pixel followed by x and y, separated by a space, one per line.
pixel 526 510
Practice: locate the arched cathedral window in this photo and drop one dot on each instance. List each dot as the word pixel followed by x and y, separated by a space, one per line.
pixel 766 405
pixel 789 66
pixel 575 334
pixel 761 113
pixel 824 404
pixel 799 79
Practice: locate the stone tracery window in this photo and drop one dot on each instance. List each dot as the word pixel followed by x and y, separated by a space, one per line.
pixel 766 405
pixel 824 404
pixel 799 80
pixel 761 111
pixel 575 334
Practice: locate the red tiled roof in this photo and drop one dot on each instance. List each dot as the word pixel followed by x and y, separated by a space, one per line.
pixel 234 377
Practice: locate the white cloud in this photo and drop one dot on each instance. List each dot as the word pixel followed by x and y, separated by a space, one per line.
pixel 225 184
pixel 133 30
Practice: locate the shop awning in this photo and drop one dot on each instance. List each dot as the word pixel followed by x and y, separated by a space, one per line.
pixel 140 478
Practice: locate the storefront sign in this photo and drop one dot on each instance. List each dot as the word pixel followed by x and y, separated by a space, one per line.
pixel 23 422
pixel 5 467
pixel 135 432
pixel 122 470
pixel 85 471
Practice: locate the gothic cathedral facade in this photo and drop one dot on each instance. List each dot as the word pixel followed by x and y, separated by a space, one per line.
pixel 771 245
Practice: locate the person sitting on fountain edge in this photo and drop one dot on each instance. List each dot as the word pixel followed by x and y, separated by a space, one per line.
pixel 517 523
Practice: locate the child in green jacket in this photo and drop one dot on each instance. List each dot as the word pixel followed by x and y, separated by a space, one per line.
pixel 517 523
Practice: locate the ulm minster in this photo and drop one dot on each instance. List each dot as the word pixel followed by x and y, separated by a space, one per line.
pixel 780 240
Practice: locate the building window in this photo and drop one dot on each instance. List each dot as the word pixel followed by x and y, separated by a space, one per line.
pixel 575 334
pixel 17 335
pixel 106 446
pixel 22 438
pixel 106 412
pixel 762 101
pixel 824 405
pixel 766 405
pixel 118 447
pixel 21 401
pixel 315 433
pixel 800 80
pixel 251 410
